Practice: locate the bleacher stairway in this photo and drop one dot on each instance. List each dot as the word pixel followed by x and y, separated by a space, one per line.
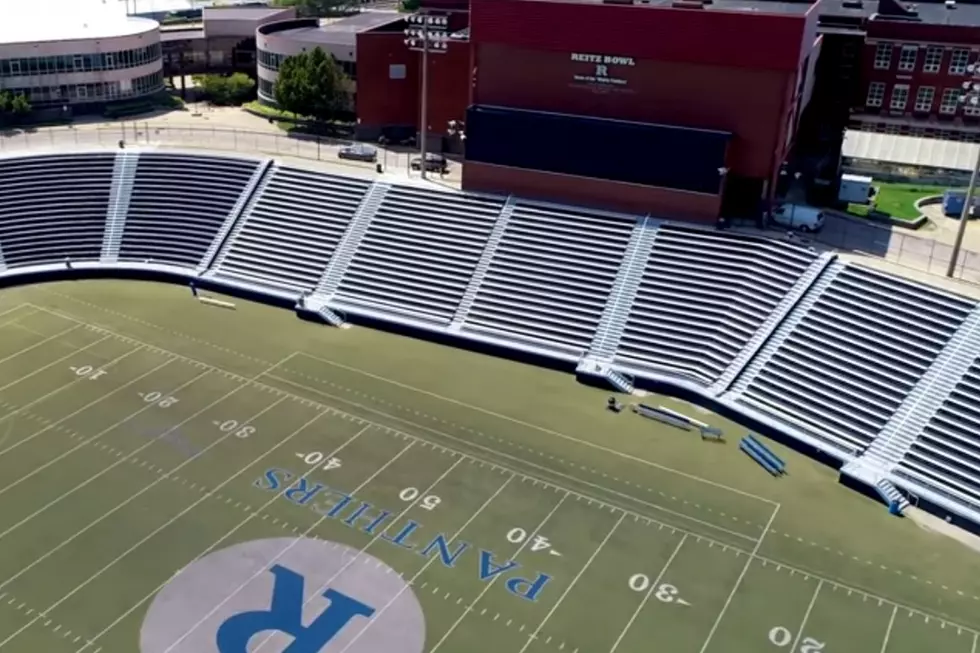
pixel 252 191
pixel 123 176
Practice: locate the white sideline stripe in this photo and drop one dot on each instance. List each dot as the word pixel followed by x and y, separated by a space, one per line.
pixel 486 588
pixel 571 586
pixel 738 581
pixel 48 427
pixel 418 574
pixel 278 495
pixel 888 632
pixel 17 307
pixel 523 461
pixel 39 343
pixel 542 429
pixel 646 597
pixel 320 521
pixel 90 479
pixel 490 450
pixel 806 616
pixel 44 613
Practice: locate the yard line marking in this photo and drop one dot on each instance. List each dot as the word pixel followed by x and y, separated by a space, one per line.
pixel 14 320
pixel 83 584
pixel 486 588
pixel 19 306
pixel 888 632
pixel 38 344
pixel 309 530
pixel 278 495
pixel 523 461
pixel 806 616
pixel 646 597
pixel 571 586
pixel 738 581
pixel 429 562
pixel 137 494
pixel 24 408
pixel 973 649
pixel 542 429
pixel 53 363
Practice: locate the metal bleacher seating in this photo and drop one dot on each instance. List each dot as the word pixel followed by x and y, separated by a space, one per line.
pixel 179 203
pixel 702 296
pixel 419 252
pixel 946 454
pixel 854 355
pixel 53 207
pixel 292 229
pixel 550 277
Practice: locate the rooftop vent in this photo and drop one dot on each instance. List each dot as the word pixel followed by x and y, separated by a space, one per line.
pixel 951 4
pixel 853 4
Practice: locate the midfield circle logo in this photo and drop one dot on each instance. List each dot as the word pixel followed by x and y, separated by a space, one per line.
pixel 285 595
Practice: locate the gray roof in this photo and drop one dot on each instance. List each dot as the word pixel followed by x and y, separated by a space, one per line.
pixel 242 13
pixel 910 150
pixel 345 30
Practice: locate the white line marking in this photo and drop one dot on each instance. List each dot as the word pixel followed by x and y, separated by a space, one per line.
pixel 38 344
pixel 888 632
pixel 309 530
pixel 806 616
pixel 738 581
pixel 486 588
pixel 52 364
pixel 542 429
pixel 429 562
pixel 19 306
pixel 571 586
pixel 646 597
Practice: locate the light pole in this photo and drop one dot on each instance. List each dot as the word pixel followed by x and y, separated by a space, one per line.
pixel 428 34
pixel 971 96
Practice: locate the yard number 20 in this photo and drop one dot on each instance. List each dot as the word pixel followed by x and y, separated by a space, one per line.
pixel 782 638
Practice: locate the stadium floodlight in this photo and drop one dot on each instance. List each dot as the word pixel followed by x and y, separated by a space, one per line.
pixel 970 97
pixel 427 34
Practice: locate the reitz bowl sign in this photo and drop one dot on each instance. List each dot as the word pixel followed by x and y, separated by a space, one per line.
pixel 602 68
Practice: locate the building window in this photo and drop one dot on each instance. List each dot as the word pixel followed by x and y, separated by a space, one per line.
pixel 876 94
pixel 949 101
pixel 934 59
pixel 907 58
pixel 883 56
pixel 396 71
pixel 924 99
pixel 958 62
pixel 900 97
pixel 971 109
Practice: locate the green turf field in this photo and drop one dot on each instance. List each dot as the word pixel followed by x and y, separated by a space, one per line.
pixel 141 431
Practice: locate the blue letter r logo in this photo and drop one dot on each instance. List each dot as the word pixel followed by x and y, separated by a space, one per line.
pixel 285 614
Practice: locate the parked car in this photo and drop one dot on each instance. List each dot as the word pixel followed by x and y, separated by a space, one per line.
pixel 433 163
pixel 799 216
pixel 359 152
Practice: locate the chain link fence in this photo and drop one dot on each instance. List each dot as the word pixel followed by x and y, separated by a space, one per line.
pixel 840 233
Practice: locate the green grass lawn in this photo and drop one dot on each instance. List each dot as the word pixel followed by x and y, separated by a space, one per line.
pixel 898 200
pixel 140 430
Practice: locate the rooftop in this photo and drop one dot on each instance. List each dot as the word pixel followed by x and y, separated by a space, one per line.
pixel 909 150
pixel 68 20
pixel 342 31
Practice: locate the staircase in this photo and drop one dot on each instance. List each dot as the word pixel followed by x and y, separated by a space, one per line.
pixel 772 344
pixel 236 216
pixel 927 397
pixel 772 322
pixel 496 235
pixel 609 331
pixel 874 478
pixel 891 496
pixel 319 308
pixel 123 178
pixel 332 275
pixel 599 370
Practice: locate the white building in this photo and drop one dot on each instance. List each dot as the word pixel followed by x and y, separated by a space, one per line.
pixel 77 52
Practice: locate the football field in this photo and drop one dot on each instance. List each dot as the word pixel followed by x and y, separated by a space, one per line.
pixel 166 496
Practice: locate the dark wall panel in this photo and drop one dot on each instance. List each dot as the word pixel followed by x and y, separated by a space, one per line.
pixel 636 153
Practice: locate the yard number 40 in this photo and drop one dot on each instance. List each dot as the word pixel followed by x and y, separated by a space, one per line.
pixel 782 638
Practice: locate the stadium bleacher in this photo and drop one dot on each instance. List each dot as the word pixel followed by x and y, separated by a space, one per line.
pixel 179 203
pixel 874 370
pixel 53 207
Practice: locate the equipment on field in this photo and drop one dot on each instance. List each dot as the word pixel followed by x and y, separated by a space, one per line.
pixel 762 455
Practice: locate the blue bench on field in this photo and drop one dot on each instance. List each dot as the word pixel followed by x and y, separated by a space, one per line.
pixel 762 455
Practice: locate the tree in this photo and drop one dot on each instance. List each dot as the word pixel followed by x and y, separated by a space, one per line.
pixel 13 108
pixel 231 89
pixel 409 5
pixel 311 84
pixel 20 106
pixel 319 8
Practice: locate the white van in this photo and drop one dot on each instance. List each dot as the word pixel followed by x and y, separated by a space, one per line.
pixel 798 216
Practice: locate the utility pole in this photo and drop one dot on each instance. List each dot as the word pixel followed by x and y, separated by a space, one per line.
pixel 427 34
pixel 971 96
